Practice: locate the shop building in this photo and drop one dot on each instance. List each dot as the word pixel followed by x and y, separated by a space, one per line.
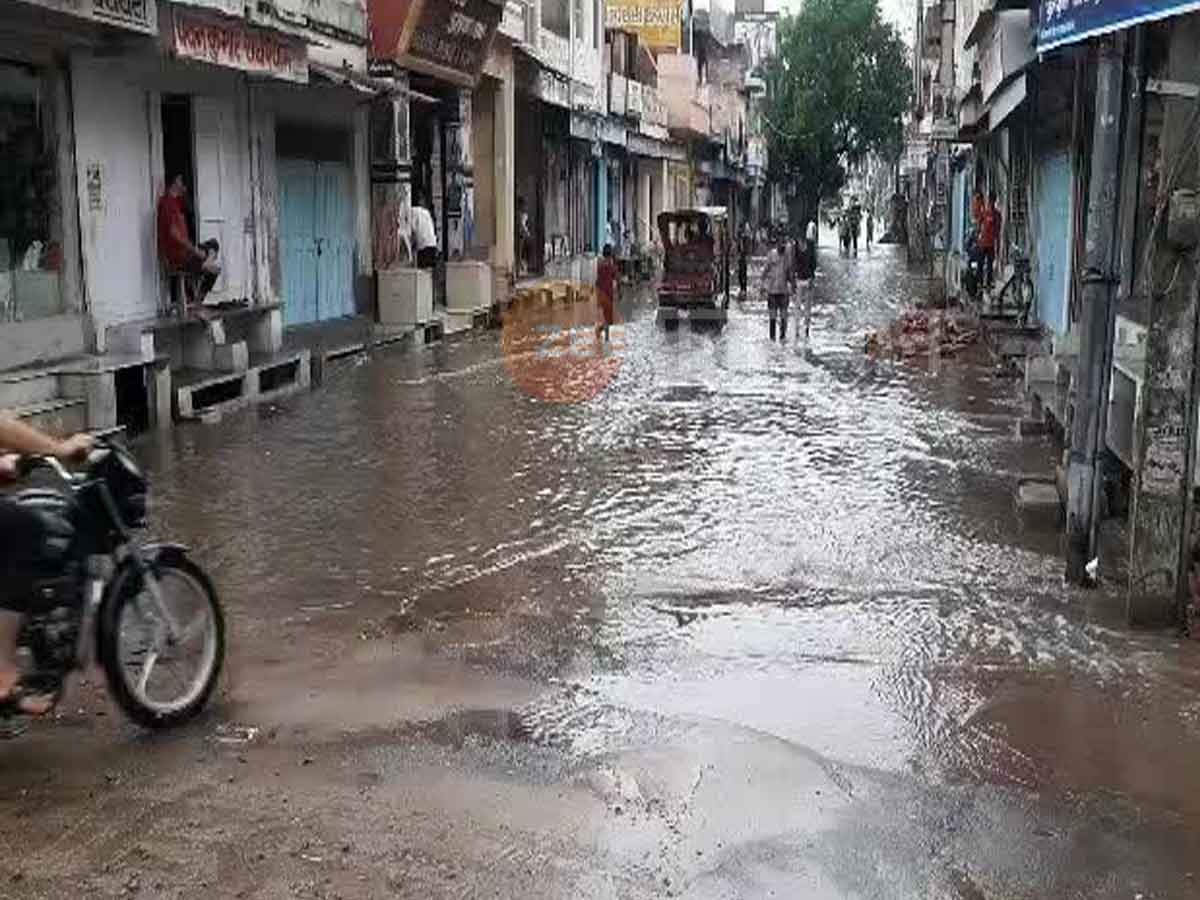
pixel 43 300
pixel 252 107
pixel 443 137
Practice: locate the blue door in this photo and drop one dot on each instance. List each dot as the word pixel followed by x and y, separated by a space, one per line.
pixel 297 228
pixel 1052 252
pixel 335 241
pixel 316 212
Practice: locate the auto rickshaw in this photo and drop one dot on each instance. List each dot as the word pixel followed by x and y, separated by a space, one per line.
pixel 695 280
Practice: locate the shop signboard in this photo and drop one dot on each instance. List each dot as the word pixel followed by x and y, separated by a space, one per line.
pixel 618 94
pixel 132 15
pixel 1070 21
pixel 654 108
pixel 584 128
pixel 515 21
pixel 612 132
pixel 633 99
pixel 643 146
pixel 554 51
pixel 586 98
pixel 227 42
pixel 916 155
pixel 650 130
pixel 449 39
pixel 553 89
pixel 657 23
pixel 587 67
pixel 136 15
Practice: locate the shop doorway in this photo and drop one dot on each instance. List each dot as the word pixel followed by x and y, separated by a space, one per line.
pixel 179 149
pixel 316 223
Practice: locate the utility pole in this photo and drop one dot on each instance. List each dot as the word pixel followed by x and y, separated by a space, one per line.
pixel 1093 368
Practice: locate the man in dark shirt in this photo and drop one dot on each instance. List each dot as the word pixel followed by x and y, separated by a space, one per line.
pixel 179 255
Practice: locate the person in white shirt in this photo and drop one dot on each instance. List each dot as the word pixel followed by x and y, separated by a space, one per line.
pixel 424 235
pixel 810 234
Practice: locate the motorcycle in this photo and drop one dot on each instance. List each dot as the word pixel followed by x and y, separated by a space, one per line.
pixel 972 276
pixel 102 595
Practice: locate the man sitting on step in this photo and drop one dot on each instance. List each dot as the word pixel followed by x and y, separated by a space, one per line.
pixel 196 265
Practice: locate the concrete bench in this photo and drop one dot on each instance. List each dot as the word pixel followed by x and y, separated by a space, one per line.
pixel 206 339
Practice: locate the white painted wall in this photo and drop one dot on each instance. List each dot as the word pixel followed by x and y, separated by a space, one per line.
pixel 118 125
pixel 505 162
pixel 118 238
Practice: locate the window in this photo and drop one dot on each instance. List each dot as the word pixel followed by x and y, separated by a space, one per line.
pixel 31 250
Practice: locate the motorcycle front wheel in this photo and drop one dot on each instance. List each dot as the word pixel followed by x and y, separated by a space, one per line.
pixel 160 681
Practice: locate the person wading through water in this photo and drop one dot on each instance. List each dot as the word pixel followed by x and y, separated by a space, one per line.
pixel 778 278
pixel 607 278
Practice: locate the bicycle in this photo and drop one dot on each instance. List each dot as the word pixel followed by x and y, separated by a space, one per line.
pixel 1020 284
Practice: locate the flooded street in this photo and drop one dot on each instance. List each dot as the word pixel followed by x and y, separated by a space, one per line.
pixel 759 620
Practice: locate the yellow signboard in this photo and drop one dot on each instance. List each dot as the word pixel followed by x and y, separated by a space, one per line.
pixel 657 23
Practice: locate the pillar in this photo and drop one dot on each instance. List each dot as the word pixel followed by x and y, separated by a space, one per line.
pixel 460 176
pixel 1165 436
pixel 645 212
pixel 601 209
pixel 391 178
pixel 1093 365
pixel 506 168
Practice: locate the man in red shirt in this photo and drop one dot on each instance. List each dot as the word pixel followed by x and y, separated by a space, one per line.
pixel 989 234
pixel 606 291
pixel 179 255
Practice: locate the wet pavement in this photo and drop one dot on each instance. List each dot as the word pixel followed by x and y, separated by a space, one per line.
pixel 759 620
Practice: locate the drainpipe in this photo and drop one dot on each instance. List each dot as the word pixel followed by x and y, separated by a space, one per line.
pixel 1093 369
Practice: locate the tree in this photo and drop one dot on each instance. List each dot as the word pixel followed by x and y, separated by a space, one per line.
pixel 836 92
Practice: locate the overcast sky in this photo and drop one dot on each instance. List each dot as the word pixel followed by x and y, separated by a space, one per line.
pixel 901 13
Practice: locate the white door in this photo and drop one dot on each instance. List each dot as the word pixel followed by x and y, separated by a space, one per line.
pixel 218 197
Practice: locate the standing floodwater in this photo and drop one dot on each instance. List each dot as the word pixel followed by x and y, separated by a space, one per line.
pixel 759 617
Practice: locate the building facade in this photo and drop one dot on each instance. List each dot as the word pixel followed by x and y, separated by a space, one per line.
pixel 1080 122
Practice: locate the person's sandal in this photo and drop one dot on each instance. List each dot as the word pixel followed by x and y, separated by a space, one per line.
pixel 28 688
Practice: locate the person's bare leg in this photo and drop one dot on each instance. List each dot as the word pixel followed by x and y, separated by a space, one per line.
pixel 10 629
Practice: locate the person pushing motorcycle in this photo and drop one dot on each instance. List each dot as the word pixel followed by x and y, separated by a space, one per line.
pixel 20 541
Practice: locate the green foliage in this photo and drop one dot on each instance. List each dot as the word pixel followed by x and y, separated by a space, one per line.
pixel 836 92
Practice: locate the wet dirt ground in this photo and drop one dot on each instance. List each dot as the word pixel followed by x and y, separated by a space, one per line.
pixel 760 620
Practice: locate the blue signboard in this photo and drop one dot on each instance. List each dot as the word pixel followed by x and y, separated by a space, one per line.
pixel 1067 21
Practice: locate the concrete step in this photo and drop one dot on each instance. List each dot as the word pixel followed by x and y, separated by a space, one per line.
pixel 27 386
pixel 59 416
pixel 1039 503
pixel 209 395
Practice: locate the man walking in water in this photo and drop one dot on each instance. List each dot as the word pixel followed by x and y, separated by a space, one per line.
pixel 778 277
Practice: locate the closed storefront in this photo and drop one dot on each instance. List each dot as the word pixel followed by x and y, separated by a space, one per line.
pixel 316 221
pixel 1052 223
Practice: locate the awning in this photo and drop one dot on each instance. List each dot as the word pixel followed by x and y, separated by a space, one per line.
pixel 1004 101
pixel 365 83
